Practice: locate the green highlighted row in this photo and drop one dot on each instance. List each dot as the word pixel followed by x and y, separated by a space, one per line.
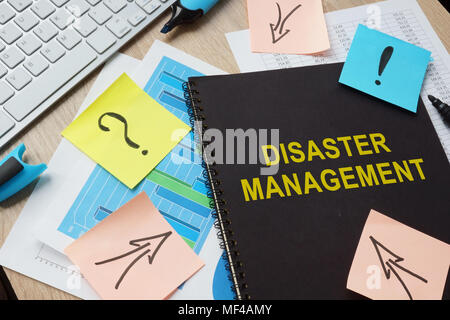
pixel 178 186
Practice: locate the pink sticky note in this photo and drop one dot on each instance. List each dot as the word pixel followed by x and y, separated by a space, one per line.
pixel 134 254
pixel 287 26
pixel 396 262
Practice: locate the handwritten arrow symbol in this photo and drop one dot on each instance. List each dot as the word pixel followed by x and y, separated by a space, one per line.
pixel 136 243
pixel 280 25
pixel 391 265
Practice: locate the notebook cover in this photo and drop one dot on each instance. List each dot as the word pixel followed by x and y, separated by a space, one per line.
pixel 6 290
pixel 302 246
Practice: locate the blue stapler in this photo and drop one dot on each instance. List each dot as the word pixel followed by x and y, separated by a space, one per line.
pixel 16 174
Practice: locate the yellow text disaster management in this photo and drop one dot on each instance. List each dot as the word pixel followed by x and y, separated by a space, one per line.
pixel 352 177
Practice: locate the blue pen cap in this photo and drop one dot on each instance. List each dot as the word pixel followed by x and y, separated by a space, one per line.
pixel 193 5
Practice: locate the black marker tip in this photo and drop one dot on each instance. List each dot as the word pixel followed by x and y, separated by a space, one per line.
pixel 166 29
pixel 431 98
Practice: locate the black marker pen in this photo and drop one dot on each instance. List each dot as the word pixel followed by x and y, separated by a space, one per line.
pixel 443 108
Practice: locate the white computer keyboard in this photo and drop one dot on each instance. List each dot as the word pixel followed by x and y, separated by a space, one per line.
pixel 48 46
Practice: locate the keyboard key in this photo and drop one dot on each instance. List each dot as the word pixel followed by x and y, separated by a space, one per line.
pixel 115 5
pixel 85 26
pixel 59 3
pixel 2 47
pixel 93 2
pixel 118 26
pixel 26 21
pixel 29 44
pixel 101 40
pixel 69 39
pixel 12 57
pixel 62 19
pixel 35 93
pixel 136 18
pixel 20 5
pixel 151 7
pixel 53 51
pixel 19 78
pixel 10 33
pixel 78 7
pixel 45 31
pixel 6 123
pixel 143 3
pixel 43 9
pixel 5 92
pixel 36 65
pixel 100 14
pixel 3 71
pixel 6 13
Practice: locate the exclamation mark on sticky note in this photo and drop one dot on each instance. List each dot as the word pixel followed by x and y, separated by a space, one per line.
pixel 384 59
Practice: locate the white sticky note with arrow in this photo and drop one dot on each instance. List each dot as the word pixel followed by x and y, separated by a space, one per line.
pixel 287 26
pixel 134 253
pixel 396 262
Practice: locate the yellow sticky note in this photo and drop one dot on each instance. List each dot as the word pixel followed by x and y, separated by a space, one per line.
pixel 126 131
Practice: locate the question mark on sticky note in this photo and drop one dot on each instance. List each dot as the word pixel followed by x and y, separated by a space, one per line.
pixel 122 119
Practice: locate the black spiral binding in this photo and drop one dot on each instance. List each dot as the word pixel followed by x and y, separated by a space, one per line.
pixel 220 213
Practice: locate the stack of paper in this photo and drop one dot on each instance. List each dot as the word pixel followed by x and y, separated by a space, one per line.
pixel 46 226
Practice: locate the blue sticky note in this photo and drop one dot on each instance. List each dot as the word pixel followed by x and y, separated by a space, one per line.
pixel 385 67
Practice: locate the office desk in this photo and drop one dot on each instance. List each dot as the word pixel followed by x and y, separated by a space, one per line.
pixel 205 40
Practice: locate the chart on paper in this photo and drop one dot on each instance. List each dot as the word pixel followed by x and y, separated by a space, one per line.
pixel 176 186
pixel 402 19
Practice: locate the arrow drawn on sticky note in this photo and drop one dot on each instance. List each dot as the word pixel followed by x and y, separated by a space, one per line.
pixel 393 265
pixel 278 31
pixel 142 245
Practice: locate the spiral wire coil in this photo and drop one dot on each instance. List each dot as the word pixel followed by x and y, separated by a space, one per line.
pixel 220 213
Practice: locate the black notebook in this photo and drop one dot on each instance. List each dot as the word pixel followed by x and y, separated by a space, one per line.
pixel 293 233
pixel 6 290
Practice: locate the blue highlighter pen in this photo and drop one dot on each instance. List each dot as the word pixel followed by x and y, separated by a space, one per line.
pixel 15 174
pixel 187 11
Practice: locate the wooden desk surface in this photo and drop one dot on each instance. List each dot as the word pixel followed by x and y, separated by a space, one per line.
pixel 205 40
